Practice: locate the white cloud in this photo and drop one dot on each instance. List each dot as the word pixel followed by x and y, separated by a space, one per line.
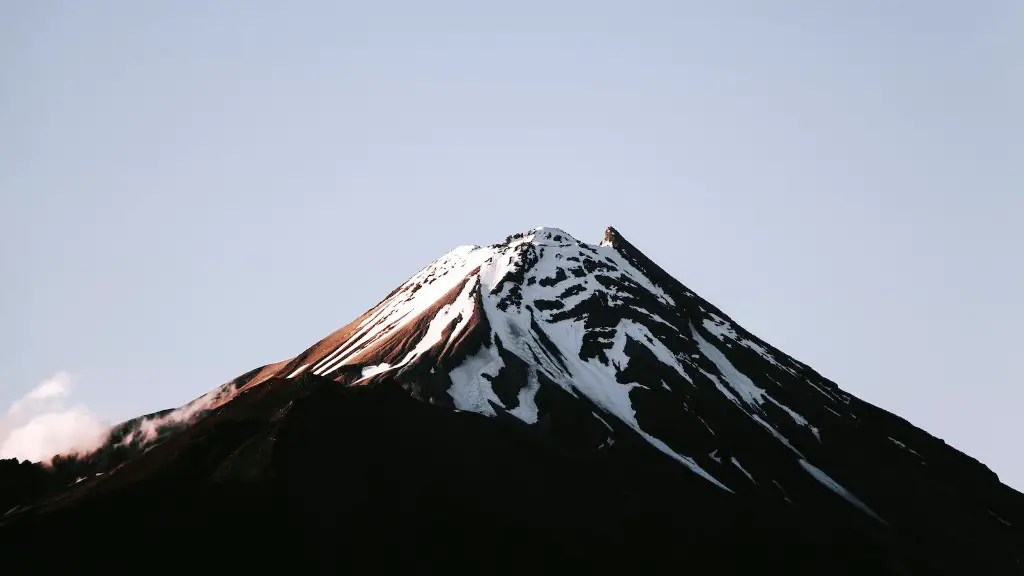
pixel 39 426
pixel 56 387
pixel 42 437
pixel 49 390
pixel 187 414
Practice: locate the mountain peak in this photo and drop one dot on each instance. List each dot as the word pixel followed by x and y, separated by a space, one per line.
pixel 612 237
pixel 542 352
pixel 540 236
pixel 547 232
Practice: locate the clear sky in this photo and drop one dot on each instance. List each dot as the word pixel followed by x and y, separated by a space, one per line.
pixel 192 189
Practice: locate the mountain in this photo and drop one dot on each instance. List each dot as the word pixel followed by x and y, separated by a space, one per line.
pixel 537 405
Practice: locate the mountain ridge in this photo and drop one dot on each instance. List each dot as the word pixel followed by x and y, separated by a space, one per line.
pixel 594 353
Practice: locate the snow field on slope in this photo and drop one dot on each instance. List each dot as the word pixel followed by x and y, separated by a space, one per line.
pixel 591 378
pixel 470 390
pixel 722 330
pixel 461 309
pixel 412 299
pixel 744 387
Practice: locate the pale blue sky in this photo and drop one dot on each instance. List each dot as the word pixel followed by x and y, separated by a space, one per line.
pixel 191 189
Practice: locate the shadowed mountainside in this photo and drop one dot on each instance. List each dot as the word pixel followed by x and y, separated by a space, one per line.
pixel 538 405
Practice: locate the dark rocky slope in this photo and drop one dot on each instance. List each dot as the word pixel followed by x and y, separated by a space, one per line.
pixel 544 405
pixel 370 480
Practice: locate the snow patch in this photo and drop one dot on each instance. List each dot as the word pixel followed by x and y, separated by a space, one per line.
pixel 654 317
pixel 606 425
pixel 545 234
pixel 470 391
pixel 905 447
pixel 369 371
pixel 736 463
pixel 630 272
pixel 834 486
pixel 778 435
pixel 743 386
pixel 719 328
pixel 642 335
pixel 996 516
pixel 298 371
pixel 685 460
pixel 706 425
pixel 527 408
pixel 785 496
pixel 738 381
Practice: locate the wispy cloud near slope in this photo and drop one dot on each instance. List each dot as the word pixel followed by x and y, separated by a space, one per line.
pixel 40 425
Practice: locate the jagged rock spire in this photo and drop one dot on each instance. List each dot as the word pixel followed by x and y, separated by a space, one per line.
pixel 612 237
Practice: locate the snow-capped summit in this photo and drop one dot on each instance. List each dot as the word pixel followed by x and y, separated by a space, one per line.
pixel 542 234
pixel 543 365
pixel 522 327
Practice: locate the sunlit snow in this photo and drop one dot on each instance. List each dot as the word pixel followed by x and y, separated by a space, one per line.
pixel 298 371
pixel 530 331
